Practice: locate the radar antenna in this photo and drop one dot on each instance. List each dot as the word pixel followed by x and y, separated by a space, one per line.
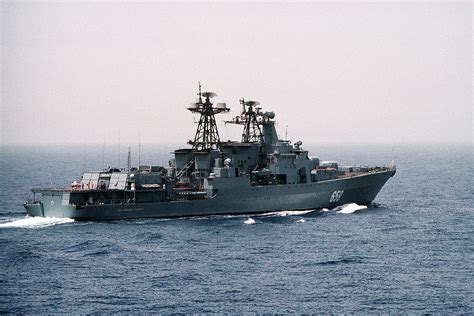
pixel 207 135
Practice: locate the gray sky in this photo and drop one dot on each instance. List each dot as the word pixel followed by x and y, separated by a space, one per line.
pixel 88 72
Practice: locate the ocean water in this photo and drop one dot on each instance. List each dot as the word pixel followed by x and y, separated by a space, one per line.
pixel 411 252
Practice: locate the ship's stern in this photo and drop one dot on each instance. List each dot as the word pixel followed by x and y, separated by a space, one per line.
pixel 53 203
pixel 34 208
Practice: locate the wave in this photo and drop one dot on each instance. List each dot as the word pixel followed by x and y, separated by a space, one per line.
pixel 349 208
pixel 36 222
pixel 339 261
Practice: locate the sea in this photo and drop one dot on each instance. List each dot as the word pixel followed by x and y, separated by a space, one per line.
pixel 410 252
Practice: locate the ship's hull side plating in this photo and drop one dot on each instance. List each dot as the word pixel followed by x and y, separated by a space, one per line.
pixel 229 199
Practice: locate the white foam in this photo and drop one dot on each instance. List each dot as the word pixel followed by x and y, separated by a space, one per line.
pixel 287 213
pixel 349 208
pixel 300 221
pixel 249 221
pixel 325 210
pixel 36 222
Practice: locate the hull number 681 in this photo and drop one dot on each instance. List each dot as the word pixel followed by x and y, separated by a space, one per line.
pixel 336 196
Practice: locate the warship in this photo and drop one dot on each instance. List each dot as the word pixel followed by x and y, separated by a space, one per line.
pixel 260 173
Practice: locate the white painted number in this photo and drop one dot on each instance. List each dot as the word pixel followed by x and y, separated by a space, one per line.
pixel 336 196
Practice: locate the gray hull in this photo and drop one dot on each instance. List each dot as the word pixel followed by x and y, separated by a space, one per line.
pixel 231 197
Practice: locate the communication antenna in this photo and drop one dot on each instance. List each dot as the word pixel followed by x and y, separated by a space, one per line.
pixel 118 149
pixel 200 94
pixel 286 133
pixel 164 155
pixel 129 160
pixel 139 148
pixel 103 154
pixel 84 159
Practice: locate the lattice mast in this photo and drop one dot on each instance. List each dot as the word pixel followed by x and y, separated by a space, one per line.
pixel 207 135
pixel 252 132
pixel 249 118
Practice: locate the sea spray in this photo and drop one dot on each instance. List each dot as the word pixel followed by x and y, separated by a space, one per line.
pixel 249 221
pixel 349 208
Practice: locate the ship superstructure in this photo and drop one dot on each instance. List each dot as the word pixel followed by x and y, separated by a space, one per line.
pixel 259 173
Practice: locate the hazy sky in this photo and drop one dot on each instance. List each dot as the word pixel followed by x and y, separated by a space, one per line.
pixel 87 72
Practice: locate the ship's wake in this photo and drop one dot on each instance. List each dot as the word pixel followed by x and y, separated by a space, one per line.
pixel 35 222
pixel 257 215
pixel 343 209
pixel 287 213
